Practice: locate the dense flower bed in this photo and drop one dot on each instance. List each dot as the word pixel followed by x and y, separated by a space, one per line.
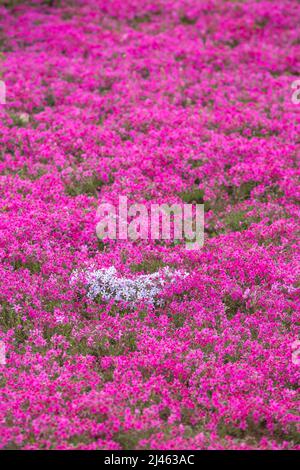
pixel 161 101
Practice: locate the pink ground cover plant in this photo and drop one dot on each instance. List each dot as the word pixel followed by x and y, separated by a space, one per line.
pixel 161 101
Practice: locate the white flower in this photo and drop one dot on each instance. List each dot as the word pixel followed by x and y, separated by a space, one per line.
pixel 106 283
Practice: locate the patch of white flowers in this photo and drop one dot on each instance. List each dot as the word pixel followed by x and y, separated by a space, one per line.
pixel 108 285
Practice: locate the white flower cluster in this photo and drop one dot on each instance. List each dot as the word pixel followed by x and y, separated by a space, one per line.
pixel 106 283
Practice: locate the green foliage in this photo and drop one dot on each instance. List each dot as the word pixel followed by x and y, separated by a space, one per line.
pixel 62 329
pixel 193 196
pixel 232 306
pixel 255 431
pixel 50 99
pixel 196 163
pixel 271 193
pixel 231 358
pixel 242 192
pixel 165 413
pixel 237 221
pixel 10 319
pixel 129 439
pixel 138 20
pixel 18 120
pixel 104 346
pixel 11 3
pixel 184 19
pixel 88 185
pixel 149 265
pixel 178 319
pixel 31 263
